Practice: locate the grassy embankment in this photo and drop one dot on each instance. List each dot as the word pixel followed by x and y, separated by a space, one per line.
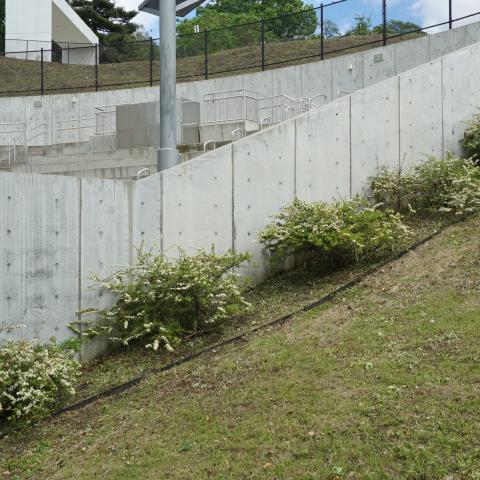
pixel 380 383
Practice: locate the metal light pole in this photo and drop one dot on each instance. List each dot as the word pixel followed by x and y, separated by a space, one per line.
pixel 168 154
pixel 168 10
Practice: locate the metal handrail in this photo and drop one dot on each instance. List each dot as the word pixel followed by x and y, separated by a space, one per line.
pixel 60 128
pixel 12 148
pixel 242 90
pixel 289 109
pixel 242 94
pixel 208 143
pixel 144 170
pixel 44 131
pixel 241 131
pixel 265 120
pixel 342 93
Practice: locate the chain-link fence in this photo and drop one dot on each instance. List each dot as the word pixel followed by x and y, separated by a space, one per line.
pixel 33 67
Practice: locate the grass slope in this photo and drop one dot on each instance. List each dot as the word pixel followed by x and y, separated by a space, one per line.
pixel 23 76
pixel 383 383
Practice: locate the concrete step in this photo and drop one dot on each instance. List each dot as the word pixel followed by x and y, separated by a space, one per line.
pixel 223 132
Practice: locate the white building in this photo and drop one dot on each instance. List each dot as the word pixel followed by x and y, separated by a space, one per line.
pixel 31 25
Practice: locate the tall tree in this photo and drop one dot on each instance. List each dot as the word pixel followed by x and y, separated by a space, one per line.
pixel 330 29
pixel 286 27
pixel 398 27
pixel 110 22
pixel 2 25
pixel 363 26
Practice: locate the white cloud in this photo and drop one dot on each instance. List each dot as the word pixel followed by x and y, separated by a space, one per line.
pixel 433 12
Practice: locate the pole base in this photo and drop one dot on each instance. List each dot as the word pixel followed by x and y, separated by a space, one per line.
pixel 167 158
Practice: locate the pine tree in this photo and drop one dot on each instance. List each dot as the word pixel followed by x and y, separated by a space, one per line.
pixel 2 25
pixel 107 20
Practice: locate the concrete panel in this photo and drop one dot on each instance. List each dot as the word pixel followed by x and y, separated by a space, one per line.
pixel 347 73
pixel 260 83
pixel 149 94
pixel 317 79
pixel 196 91
pixel 147 211
pixel 38 112
pixel 287 81
pixel 421 113
pixel 447 42
pixel 375 139
pixel 472 33
pixel 379 64
pixel 39 252
pixel 323 153
pixel 264 172
pixel 106 209
pixel 65 118
pixel 233 108
pixel 461 94
pixel 412 53
pixel 197 204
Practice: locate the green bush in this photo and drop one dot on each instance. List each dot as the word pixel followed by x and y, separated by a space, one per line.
pixel 471 139
pixel 161 300
pixel 449 186
pixel 348 231
pixel 34 380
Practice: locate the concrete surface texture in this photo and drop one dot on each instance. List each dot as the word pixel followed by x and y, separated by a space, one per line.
pixel 32 25
pixel 71 117
pixel 58 230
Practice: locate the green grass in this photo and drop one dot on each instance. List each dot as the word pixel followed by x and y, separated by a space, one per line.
pixel 382 383
pixel 19 77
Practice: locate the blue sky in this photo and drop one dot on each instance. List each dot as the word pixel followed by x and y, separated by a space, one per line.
pixel 423 12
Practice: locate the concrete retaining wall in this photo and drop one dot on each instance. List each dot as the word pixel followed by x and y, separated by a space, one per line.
pixel 58 230
pixel 71 117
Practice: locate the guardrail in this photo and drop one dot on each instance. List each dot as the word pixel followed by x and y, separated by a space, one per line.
pixel 261 45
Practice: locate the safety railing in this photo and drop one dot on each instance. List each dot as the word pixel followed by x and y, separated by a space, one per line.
pixel 230 106
pixel 105 119
pixel 36 132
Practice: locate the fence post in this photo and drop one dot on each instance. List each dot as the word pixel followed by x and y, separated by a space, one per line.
pixel 151 61
pixel 450 14
pixel 206 54
pixel 96 67
pixel 322 33
pixel 263 45
pixel 384 22
pixel 42 78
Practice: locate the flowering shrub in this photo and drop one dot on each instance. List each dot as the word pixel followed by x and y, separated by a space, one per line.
pixel 471 139
pixel 33 379
pixel 435 186
pixel 160 300
pixel 343 232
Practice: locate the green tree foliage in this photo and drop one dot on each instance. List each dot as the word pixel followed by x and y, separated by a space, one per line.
pixel 227 13
pixel 330 29
pixel 110 22
pixel 2 25
pixel 363 26
pixel 114 27
pixel 397 27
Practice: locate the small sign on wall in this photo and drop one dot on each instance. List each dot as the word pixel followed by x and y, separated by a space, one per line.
pixel 378 57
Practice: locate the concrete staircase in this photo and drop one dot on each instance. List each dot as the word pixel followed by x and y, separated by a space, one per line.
pixel 88 159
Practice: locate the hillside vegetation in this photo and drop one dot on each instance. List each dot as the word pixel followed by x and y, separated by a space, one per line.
pixel 380 383
pixel 22 77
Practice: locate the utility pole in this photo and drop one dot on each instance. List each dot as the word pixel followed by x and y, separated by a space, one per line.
pixel 168 154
